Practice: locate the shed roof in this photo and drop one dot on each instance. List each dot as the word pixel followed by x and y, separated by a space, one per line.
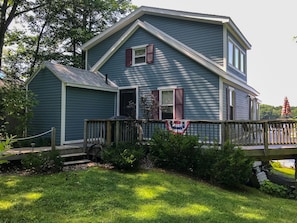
pixel 76 77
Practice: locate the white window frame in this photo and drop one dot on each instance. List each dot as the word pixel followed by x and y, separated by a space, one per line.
pixel 237 59
pixel 231 103
pixel 161 90
pixel 134 56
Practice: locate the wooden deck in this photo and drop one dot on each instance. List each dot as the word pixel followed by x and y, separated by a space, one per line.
pixel 263 140
pixel 18 153
pixel 273 152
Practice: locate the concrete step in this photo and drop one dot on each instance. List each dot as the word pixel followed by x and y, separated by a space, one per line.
pixel 76 162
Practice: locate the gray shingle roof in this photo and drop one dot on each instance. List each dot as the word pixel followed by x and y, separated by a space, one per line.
pixel 72 76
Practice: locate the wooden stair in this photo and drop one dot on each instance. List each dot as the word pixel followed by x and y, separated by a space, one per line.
pixel 74 156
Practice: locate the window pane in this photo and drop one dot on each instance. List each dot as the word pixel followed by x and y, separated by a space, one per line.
pixel 167 97
pixel 242 62
pixel 167 112
pixel 139 60
pixel 140 52
pixel 236 57
pixel 230 53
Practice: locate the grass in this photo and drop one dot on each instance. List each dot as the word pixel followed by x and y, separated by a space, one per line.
pixel 277 168
pixel 288 172
pixel 100 195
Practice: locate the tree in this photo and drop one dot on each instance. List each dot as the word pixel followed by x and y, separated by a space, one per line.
pixel 10 9
pixel 16 106
pixel 58 29
pixel 269 111
pixel 286 109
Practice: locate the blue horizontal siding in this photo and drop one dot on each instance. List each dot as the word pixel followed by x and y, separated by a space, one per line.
pixel 47 113
pixel 84 104
pixel 241 104
pixel 96 52
pixel 205 38
pixel 170 67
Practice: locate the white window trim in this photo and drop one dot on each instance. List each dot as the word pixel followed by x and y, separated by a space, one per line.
pixel 133 54
pixel 239 57
pixel 168 88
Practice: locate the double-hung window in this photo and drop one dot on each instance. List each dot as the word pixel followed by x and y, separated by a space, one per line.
pixel 140 55
pixel 236 57
pixel 230 98
pixel 166 104
pixel 170 102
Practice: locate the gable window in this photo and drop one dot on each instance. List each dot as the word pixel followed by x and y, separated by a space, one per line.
pixel 236 57
pixel 140 55
pixel 170 103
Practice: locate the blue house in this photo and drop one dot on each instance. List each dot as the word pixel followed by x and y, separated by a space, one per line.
pixel 193 65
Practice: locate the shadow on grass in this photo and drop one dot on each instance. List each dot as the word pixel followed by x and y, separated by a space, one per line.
pixel 97 195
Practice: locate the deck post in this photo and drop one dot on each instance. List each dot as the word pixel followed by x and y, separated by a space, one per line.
pixel 117 132
pixel 53 138
pixel 223 133
pixel 108 133
pixel 85 134
pixel 265 127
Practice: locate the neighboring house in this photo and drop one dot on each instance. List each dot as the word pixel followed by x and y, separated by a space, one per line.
pixel 194 65
pixel 66 96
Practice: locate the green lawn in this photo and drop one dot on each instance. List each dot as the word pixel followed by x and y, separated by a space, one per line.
pixel 99 195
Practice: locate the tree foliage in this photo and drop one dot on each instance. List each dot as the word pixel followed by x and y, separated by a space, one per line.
pixel 274 112
pixel 10 10
pixel 16 106
pixel 57 30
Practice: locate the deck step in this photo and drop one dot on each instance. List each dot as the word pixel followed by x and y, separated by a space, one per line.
pixel 75 162
pixel 73 155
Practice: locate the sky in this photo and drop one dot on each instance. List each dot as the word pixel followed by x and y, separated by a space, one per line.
pixel 270 27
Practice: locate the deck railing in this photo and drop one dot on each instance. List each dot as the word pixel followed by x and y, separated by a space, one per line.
pixel 241 133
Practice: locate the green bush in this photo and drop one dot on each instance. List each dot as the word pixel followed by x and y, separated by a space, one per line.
pixel 174 151
pixel 226 166
pixel 5 144
pixel 231 167
pixel 124 156
pixel 205 161
pixel 273 189
pixel 44 162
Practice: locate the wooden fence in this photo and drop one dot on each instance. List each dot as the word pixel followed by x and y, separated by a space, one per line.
pixel 241 133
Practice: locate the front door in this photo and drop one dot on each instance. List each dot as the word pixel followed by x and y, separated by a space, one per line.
pixel 128 103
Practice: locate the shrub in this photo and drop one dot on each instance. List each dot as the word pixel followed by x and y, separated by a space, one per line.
pixel 231 167
pixel 226 166
pixel 44 162
pixel 124 156
pixel 273 189
pixel 207 157
pixel 174 151
pixel 4 146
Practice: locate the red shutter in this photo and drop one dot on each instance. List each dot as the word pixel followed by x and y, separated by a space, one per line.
pixel 155 104
pixel 128 57
pixel 150 53
pixel 179 103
